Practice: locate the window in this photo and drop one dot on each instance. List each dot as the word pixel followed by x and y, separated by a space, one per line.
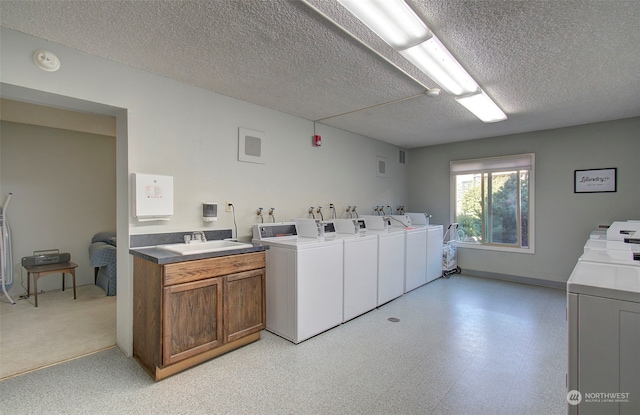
pixel 493 202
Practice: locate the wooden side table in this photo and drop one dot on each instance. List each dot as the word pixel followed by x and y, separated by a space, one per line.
pixel 41 270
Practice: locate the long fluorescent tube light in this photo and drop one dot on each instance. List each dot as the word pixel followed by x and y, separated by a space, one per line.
pixel 398 25
pixel 392 20
pixel 432 58
pixel 482 107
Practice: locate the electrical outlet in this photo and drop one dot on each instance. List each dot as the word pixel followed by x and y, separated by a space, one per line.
pixel 229 206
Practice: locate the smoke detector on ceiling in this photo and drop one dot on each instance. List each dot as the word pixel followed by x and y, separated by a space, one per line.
pixel 46 60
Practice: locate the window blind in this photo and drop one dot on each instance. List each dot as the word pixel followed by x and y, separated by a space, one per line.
pixel 493 164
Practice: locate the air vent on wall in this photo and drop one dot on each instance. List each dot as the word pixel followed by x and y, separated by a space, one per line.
pixel 402 157
pixel 381 166
pixel 250 146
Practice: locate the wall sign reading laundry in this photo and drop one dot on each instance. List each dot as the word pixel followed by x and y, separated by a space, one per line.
pixel 595 180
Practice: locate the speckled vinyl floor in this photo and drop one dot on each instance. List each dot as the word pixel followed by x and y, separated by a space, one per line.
pixel 463 345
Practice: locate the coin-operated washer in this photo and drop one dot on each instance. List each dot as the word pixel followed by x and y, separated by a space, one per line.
pixel 360 252
pixel 303 283
pixel 603 325
pixel 434 244
pixel 415 253
pixel 391 267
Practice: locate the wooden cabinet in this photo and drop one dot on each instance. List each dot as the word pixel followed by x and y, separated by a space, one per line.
pixel 188 312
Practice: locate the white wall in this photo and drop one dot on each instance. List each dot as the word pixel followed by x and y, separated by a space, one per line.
pixel 64 192
pixel 165 127
pixel 198 145
pixel 563 219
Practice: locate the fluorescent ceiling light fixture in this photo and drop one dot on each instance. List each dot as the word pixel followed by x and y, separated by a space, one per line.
pixel 482 107
pixel 392 20
pixel 398 25
pixel 432 58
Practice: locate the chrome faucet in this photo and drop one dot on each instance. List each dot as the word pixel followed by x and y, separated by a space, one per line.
pixel 195 237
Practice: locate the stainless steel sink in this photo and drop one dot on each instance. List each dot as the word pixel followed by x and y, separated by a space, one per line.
pixel 203 247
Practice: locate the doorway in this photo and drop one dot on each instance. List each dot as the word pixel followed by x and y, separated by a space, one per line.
pixel 56 102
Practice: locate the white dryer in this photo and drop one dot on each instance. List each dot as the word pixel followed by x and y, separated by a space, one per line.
pixel 303 283
pixel 390 258
pixel 360 252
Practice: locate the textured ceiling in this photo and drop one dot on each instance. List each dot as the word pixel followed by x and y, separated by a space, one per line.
pixel 547 64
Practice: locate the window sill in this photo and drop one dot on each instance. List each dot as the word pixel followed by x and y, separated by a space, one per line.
pixel 498 248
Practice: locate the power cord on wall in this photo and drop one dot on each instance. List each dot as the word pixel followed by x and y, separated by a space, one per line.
pixel 235 225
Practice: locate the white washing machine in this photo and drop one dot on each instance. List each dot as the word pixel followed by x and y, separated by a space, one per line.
pixel 360 253
pixel 415 254
pixel 303 283
pixel 603 326
pixel 390 258
pixel 434 244
pixel 434 252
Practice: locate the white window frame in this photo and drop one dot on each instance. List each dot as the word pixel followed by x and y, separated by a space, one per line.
pixel 496 164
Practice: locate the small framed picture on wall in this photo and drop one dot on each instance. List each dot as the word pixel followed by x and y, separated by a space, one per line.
pixel 595 180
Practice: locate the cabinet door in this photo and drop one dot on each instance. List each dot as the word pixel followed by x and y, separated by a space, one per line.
pixel 192 319
pixel 608 344
pixel 244 304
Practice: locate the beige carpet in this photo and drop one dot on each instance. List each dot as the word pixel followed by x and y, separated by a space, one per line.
pixel 58 329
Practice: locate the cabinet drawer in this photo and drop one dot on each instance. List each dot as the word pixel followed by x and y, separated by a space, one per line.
pixel 182 272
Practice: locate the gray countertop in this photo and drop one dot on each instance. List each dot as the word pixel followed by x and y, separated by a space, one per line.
pixel 161 256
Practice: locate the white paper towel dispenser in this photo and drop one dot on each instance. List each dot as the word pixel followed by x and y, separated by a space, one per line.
pixel 153 196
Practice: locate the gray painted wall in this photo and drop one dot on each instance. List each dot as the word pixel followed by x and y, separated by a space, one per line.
pixel 64 192
pixel 563 219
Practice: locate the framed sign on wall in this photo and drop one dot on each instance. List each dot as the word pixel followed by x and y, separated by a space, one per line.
pixel 595 180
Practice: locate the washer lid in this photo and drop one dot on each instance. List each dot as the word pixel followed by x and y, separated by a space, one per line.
pixel 610 256
pixel 618 282
pixel 610 245
pixel 354 238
